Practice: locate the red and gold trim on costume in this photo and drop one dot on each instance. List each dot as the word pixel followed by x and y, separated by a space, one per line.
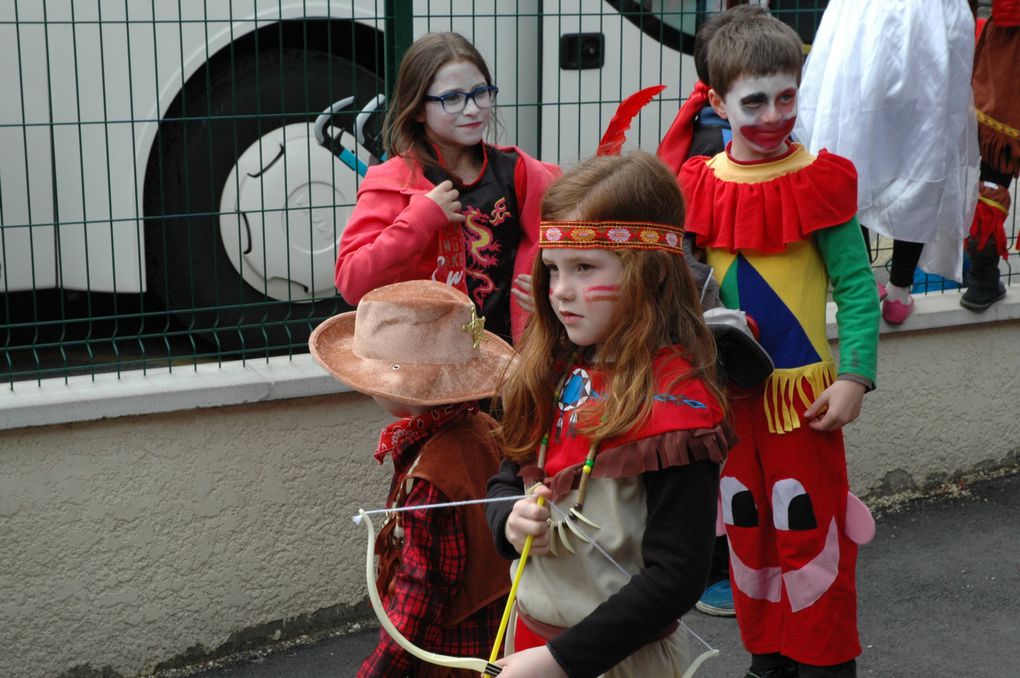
pixel 990 219
pixel 611 235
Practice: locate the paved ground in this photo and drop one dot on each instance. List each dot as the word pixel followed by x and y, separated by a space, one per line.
pixel 939 596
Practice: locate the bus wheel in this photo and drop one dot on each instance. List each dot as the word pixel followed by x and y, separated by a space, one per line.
pixel 243 208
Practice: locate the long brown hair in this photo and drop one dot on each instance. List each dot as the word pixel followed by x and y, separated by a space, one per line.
pixel 403 134
pixel 659 306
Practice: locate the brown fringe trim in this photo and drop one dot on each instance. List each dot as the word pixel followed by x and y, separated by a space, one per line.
pixel 1000 145
pixel 673 448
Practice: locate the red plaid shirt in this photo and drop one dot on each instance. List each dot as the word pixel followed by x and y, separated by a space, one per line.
pixel 432 563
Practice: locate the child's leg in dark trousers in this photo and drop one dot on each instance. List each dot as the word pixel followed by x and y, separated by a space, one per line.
pixel 905 256
pixel 720 568
pixel 784 499
pixel 898 304
pixel 984 287
pixel 904 259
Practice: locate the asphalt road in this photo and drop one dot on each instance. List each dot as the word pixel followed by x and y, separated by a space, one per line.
pixel 939 592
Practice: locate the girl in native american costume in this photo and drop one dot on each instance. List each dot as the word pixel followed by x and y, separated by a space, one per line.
pixel 613 419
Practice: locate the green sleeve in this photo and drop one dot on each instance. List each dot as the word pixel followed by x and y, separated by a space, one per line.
pixel 853 290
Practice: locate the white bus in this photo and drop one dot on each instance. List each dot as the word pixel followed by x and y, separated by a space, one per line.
pixel 167 145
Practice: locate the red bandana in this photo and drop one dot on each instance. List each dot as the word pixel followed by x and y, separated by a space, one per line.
pixel 403 433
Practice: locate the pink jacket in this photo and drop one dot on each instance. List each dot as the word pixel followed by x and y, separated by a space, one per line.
pixel 392 234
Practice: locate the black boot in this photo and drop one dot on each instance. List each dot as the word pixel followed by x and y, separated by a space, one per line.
pixel 772 665
pixel 844 670
pixel 985 288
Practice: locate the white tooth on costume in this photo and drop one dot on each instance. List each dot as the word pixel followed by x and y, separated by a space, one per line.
pixel 809 583
pixel 564 533
pixel 763 584
pixel 580 516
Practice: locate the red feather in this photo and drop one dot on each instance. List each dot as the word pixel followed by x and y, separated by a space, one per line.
pixel 616 133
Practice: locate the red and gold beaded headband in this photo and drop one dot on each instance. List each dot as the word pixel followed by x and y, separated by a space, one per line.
pixel 611 235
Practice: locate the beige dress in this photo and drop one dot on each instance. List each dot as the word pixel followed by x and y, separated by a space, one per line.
pixel 618 506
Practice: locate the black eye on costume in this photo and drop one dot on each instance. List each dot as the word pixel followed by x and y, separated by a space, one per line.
pixel 738 505
pixel 791 506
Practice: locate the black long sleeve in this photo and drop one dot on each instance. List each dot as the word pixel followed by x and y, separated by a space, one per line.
pixel 503 484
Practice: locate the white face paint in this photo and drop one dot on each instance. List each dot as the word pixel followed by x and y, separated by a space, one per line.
pixel 762 111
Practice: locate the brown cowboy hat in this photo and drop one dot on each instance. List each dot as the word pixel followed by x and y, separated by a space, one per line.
pixel 418 342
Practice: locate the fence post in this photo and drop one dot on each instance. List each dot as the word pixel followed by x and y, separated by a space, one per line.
pixel 399 25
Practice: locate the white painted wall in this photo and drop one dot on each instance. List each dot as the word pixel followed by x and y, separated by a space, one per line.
pixel 947 403
pixel 129 539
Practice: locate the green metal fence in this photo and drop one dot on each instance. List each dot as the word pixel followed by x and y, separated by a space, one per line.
pixel 164 199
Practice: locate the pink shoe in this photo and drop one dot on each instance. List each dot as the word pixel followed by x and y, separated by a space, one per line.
pixel 895 312
pixel 882 292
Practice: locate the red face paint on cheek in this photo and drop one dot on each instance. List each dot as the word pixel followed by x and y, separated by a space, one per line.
pixel 768 136
pixel 601 293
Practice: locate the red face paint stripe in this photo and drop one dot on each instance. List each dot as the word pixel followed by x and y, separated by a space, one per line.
pixel 601 293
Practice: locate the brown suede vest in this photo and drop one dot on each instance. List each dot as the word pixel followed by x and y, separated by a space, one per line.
pixel 458 460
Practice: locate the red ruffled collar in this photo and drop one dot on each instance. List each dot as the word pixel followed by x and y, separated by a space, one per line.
pixel 767 215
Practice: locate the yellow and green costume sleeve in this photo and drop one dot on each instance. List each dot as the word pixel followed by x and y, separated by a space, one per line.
pixel 853 289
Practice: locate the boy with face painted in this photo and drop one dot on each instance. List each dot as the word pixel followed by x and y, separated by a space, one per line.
pixel 778 224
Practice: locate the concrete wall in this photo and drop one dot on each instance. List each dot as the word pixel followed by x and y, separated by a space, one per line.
pixel 133 540
pixel 947 403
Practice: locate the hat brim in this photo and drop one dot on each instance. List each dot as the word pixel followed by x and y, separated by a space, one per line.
pixel 332 346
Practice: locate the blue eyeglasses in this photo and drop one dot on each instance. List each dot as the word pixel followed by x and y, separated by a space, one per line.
pixel 484 96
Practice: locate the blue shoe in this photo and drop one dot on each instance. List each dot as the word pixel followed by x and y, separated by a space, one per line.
pixel 717 600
